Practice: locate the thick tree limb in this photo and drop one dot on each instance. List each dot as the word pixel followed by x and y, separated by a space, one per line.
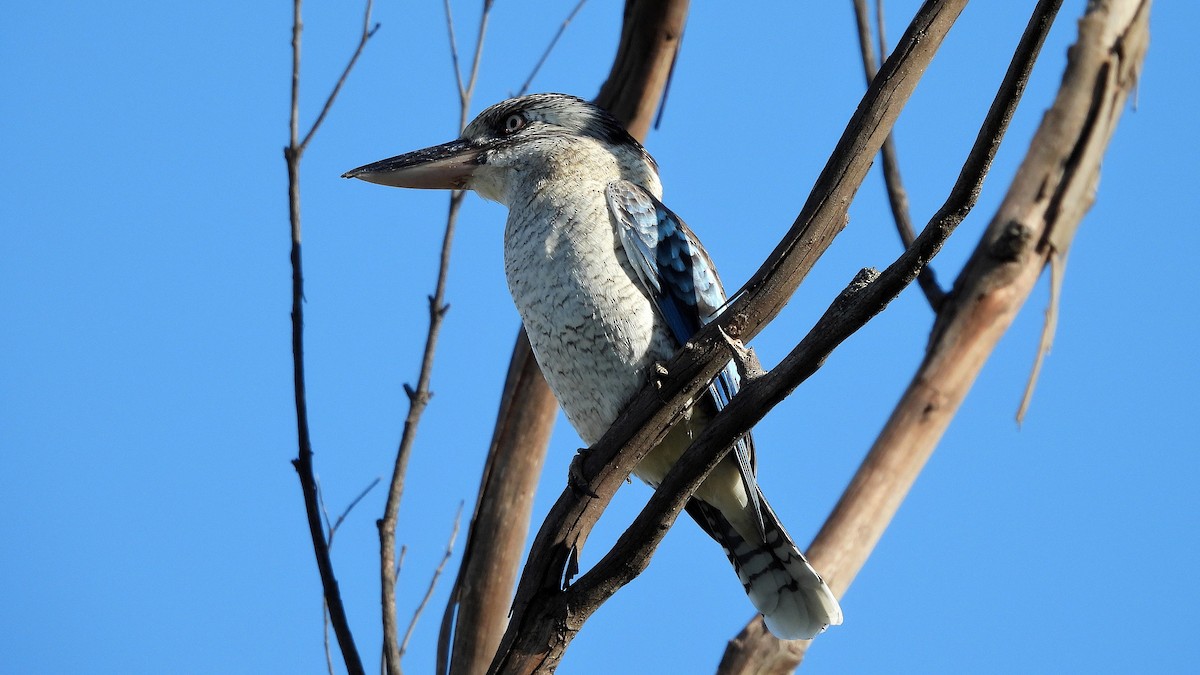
pixel 480 602
pixel 544 617
pixel 1037 220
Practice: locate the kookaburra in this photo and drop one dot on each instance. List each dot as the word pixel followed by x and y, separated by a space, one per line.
pixel 609 282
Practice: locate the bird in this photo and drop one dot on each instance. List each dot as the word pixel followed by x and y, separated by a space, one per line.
pixel 610 284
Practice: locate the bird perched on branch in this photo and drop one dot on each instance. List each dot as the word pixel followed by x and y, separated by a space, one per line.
pixel 609 283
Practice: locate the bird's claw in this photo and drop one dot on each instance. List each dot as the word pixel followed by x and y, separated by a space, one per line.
pixel 660 373
pixel 576 479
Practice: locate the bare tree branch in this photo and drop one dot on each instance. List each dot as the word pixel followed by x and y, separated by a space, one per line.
pixel 458 78
pixel 304 459
pixel 419 397
pixel 897 196
pixel 1053 188
pixel 350 507
pixel 1049 195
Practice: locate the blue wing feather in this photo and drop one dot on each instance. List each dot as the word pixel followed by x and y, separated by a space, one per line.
pixel 680 279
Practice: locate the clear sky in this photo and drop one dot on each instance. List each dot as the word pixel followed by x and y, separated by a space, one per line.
pixel 152 521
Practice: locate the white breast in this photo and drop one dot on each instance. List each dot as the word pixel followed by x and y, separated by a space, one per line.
pixel 593 331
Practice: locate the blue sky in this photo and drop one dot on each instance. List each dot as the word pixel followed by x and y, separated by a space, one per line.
pixel 153 522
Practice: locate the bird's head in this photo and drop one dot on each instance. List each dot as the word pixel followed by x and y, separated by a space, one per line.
pixel 517 142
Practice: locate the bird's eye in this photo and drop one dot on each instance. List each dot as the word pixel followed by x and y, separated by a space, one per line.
pixel 514 123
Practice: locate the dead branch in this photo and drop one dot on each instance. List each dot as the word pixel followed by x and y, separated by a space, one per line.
pixel 865 297
pixel 304 459
pixel 1049 195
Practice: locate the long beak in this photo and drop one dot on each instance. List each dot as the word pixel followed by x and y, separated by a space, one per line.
pixel 443 167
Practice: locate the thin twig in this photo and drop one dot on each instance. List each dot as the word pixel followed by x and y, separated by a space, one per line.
pixel 462 90
pixel 304 459
pixel 550 47
pixel 324 513
pixel 465 98
pixel 418 398
pixel 367 32
pixel 331 530
pixel 897 195
pixel 1058 269
pixel 354 502
pixel 437 573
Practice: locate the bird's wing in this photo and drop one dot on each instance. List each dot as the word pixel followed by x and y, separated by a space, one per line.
pixel 679 277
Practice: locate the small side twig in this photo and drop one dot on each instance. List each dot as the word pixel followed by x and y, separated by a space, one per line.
pixel 368 31
pixel 349 507
pixel 748 366
pixel 437 573
pixel 331 530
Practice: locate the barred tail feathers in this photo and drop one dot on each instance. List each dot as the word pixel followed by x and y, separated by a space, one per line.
pixel 793 599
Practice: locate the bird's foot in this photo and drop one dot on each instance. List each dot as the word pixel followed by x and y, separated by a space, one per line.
pixel 658 374
pixel 576 479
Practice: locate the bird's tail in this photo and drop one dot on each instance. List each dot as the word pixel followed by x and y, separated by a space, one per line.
pixel 794 600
